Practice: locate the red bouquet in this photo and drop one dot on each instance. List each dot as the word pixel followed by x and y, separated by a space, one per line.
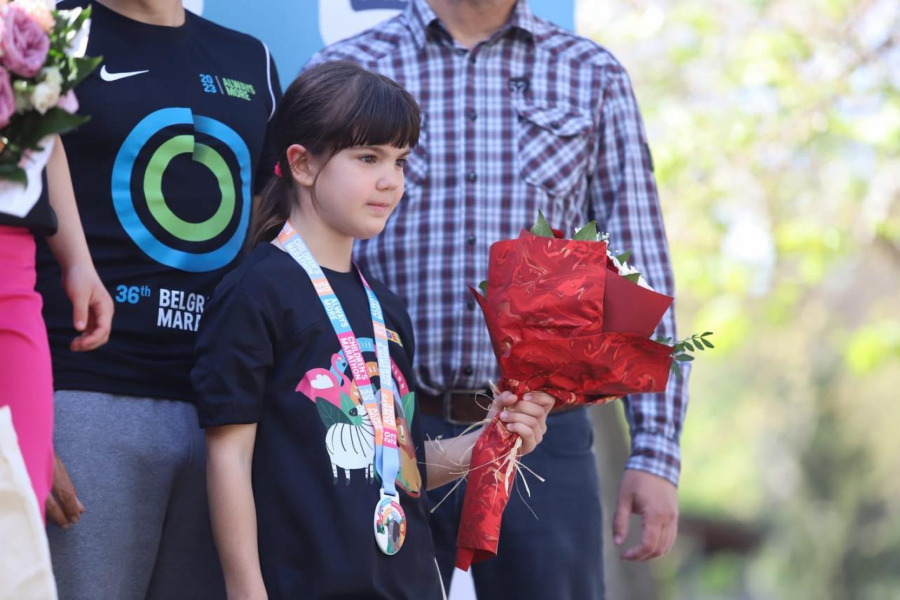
pixel 568 318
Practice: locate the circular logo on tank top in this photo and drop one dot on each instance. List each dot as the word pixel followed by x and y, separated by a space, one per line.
pixel 181 189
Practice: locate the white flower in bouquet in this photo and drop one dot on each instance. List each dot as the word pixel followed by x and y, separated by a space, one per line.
pixel 45 96
pixel 621 264
pixel 52 75
pixel 46 93
pixel 625 269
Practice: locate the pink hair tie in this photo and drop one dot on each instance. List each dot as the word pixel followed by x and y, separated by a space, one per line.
pixel 278 170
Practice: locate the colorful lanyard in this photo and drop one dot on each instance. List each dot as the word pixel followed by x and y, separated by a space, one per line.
pixel 387 454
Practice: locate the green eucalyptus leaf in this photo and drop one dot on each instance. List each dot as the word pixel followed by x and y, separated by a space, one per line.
pixel 707 344
pixel 12 172
pixel 633 277
pixel 34 127
pixel 677 370
pixel 542 227
pixel 587 233
pixel 80 68
pixel 688 345
pixel 684 357
pixel 623 258
pixel 483 287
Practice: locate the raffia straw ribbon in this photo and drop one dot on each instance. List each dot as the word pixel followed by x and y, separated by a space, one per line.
pixel 509 461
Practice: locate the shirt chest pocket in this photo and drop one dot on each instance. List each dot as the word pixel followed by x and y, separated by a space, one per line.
pixel 416 169
pixel 553 146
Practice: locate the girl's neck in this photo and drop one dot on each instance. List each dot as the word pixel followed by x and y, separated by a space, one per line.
pixel 167 13
pixel 331 249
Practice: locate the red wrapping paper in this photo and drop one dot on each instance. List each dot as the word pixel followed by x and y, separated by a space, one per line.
pixel 561 321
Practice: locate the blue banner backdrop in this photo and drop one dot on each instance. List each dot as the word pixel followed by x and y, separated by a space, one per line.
pixel 295 29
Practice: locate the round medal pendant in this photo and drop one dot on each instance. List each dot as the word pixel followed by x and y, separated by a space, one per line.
pixel 390 524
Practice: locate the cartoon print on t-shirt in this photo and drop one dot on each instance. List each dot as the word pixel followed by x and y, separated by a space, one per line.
pixel 349 438
pixel 349 435
pixel 328 383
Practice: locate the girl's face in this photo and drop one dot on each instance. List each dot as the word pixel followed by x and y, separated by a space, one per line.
pixel 358 189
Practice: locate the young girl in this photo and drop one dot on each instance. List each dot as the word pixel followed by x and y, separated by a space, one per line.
pixel 317 465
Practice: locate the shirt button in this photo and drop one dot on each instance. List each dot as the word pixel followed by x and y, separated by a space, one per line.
pixel 473 115
pixel 472 59
pixel 470 304
pixel 472 177
pixel 468 371
pixel 470 240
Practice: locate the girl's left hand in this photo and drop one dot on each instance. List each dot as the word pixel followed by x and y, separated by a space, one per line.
pixel 527 418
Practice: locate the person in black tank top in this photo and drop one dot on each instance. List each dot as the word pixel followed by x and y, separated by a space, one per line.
pixel 164 174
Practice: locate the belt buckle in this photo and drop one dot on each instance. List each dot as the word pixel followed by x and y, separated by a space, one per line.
pixel 447 402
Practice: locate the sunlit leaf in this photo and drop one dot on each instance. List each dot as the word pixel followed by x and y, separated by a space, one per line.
pixel 541 227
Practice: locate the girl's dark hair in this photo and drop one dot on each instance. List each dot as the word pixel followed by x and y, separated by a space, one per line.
pixel 328 108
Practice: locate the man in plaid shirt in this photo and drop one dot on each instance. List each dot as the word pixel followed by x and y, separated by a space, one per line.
pixel 520 116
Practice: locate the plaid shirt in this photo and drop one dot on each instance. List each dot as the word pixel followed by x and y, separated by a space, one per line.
pixel 534 118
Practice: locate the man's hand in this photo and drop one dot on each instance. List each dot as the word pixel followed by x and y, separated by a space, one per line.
pixel 92 307
pixel 656 501
pixel 62 506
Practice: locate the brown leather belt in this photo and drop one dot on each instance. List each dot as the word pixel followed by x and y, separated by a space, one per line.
pixel 464 407
pixel 457 407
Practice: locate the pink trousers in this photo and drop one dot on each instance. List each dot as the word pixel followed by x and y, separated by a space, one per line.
pixel 26 379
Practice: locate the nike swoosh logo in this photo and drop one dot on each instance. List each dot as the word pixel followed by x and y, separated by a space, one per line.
pixel 107 76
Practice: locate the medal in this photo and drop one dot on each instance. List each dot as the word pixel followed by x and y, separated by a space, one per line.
pixel 390 524
pixel 390 521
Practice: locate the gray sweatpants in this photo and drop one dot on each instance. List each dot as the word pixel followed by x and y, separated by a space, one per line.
pixel 139 466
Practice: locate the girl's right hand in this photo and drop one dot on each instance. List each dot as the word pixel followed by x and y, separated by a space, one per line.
pixel 527 418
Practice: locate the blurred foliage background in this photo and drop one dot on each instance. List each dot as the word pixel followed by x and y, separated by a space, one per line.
pixel 775 129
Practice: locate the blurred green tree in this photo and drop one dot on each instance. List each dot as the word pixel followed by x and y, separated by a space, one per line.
pixel 775 129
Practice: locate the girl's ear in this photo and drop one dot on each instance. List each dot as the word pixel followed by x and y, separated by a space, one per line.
pixel 303 169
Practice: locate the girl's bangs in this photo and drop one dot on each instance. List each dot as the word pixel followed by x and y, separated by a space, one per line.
pixel 383 115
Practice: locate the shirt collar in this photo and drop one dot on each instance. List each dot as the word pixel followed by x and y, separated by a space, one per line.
pixel 421 16
pixel 522 18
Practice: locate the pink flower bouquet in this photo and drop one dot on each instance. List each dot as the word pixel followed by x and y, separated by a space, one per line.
pixel 41 62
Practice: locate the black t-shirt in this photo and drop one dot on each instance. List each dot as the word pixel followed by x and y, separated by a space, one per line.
pixel 268 354
pixel 164 177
